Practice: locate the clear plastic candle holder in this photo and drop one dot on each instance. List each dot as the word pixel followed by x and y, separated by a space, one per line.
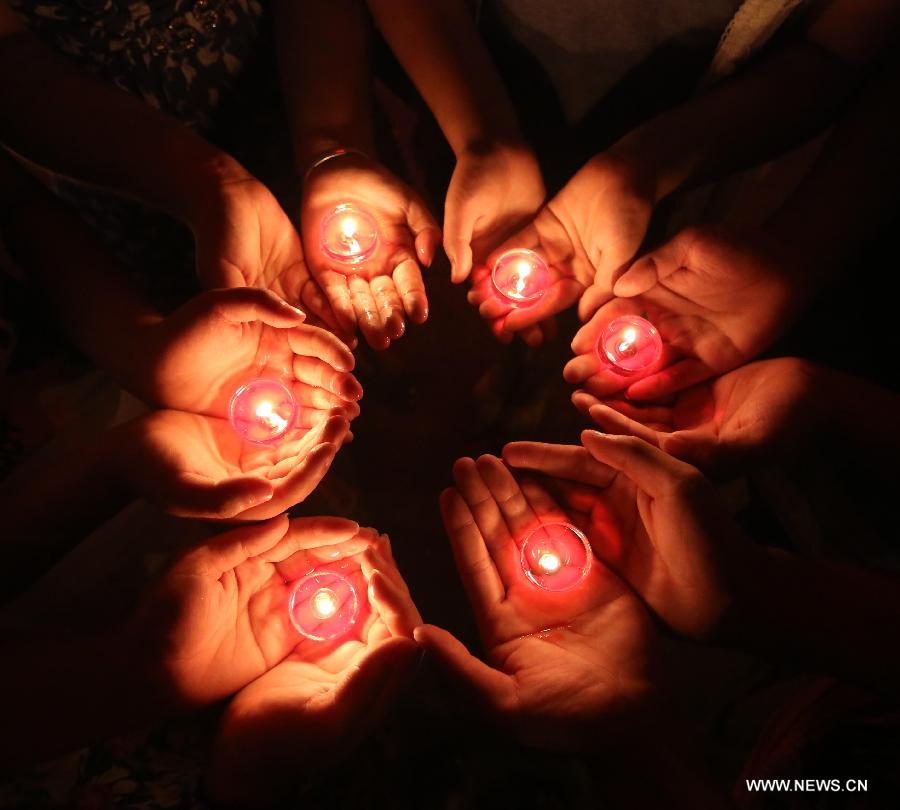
pixel 630 344
pixel 556 556
pixel 262 411
pixel 521 277
pixel 323 605
pixel 349 235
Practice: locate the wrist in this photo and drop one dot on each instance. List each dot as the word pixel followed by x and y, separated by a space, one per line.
pixel 206 179
pixel 630 177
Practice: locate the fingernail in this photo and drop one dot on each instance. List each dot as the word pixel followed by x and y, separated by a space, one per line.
pixel 351 389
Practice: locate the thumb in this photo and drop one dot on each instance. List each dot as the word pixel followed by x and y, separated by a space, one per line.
pixel 651 268
pixel 425 229
pixel 459 224
pixel 193 495
pixel 243 304
pixel 486 686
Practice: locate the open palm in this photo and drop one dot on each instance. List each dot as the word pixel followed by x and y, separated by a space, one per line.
pixel 717 299
pixel 561 662
pixel 379 295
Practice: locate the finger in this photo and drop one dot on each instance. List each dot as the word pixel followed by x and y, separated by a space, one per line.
pixel 532 335
pixel 367 315
pixel 196 496
pixel 389 307
pixel 408 281
pixel 336 287
pixel 592 299
pixel 561 295
pixel 517 513
pixel 394 605
pixel 584 401
pixel 569 462
pixel 612 421
pixel 459 225
pixel 476 568
pixel 229 550
pixel 427 234
pixel 670 380
pixel 319 374
pixel 310 341
pixel 652 470
pixel 488 518
pixel 543 503
pixel 366 691
pixel 310 398
pixel 485 686
pixel 244 304
pixel 648 415
pixel 307 533
pixel 651 268
pixel 322 315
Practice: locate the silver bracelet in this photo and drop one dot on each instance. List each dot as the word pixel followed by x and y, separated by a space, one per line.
pixel 334 153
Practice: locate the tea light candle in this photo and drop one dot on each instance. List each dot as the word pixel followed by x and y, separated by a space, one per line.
pixel 556 556
pixel 262 411
pixel 521 277
pixel 349 234
pixel 630 344
pixel 323 605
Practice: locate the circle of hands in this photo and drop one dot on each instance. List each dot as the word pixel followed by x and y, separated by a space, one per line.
pixel 555 665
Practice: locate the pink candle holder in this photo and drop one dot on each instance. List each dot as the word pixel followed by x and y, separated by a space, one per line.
pixel 556 556
pixel 521 277
pixel 630 344
pixel 323 605
pixel 349 235
pixel 262 411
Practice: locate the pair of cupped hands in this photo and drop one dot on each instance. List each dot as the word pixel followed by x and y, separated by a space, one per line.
pixel 561 670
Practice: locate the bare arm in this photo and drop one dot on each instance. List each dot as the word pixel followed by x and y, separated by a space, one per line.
pixel 62 118
pixel 323 57
pixel 439 47
pixel 774 104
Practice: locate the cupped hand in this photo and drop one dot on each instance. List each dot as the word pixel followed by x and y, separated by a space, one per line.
pixel 218 619
pixel 494 190
pixel 245 239
pixel 378 295
pixel 654 520
pixel 561 665
pixel 718 300
pixel 587 234
pixel 198 466
pixel 323 697
pixel 204 351
pixel 758 413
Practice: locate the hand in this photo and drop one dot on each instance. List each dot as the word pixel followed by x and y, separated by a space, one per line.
pixel 717 299
pixel 197 466
pixel 377 296
pixel 218 619
pixel 323 698
pixel 655 521
pixel 494 190
pixel 562 664
pixel 245 239
pixel 587 233
pixel 199 356
pixel 761 411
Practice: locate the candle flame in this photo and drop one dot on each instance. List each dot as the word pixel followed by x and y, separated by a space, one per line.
pixel 549 562
pixel 266 413
pixel 349 229
pixel 523 271
pixel 324 603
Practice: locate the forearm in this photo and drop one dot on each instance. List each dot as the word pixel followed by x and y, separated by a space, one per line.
pixel 774 105
pixel 853 189
pixel 822 617
pixel 95 302
pixel 69 122
pixel 440 48
pixel 51 502
pixel 62 691
pixel 323 58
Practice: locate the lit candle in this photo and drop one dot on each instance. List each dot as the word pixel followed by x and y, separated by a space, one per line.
pixel 262 411
pixel 323 605
pixel 556 556
pixel 349 235
pixel 630 344
pixel 521 277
